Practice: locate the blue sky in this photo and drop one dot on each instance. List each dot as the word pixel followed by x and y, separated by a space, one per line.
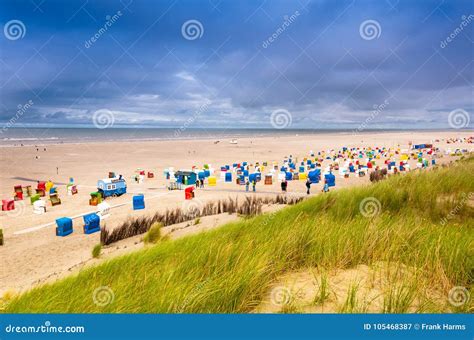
pixel 325 64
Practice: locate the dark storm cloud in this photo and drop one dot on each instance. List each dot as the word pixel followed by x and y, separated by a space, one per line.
pixel 309 58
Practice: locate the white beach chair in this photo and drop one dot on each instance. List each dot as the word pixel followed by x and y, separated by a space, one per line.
pixel 39 207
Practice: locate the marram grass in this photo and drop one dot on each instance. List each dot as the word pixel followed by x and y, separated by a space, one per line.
pixel 230 269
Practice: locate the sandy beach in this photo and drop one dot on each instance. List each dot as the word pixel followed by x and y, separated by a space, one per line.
pixel 32 253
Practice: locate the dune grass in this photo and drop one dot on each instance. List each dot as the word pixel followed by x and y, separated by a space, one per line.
pixel 230 269
pixel 96 250
pixel 248 207
pixel 153 234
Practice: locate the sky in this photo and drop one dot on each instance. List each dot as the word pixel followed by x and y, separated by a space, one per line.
pixel 245 64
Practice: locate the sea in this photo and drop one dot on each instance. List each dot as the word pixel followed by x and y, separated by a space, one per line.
pixel 17 136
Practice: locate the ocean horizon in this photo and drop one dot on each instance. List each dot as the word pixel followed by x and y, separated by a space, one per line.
pixel 59 135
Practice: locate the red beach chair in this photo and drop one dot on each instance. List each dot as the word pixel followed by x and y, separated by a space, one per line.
pixel 41 189
pixel 8 205
pixel 189 193
pixel 18 192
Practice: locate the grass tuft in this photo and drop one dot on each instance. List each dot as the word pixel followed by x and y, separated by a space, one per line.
pixel 96 250
pixel 350 304
pixel 154 234
pixel 323 290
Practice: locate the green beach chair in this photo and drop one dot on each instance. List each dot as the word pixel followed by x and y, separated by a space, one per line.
pixel 34 198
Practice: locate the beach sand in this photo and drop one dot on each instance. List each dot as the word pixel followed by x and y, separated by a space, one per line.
pixel 36 255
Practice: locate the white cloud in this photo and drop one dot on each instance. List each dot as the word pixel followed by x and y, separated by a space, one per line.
pixel 185 76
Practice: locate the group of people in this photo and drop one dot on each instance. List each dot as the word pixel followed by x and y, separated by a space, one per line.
pixel 200 183
pixel 283 184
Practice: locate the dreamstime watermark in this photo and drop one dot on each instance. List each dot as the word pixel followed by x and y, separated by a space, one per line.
pixel 458 296
pixel 103 296
pixel 288 20
pixel 111 19
pixel 14 30
pixel 46 328
pixel 21 110
pixel 192 208
pixel 466 20
pixel 464 198
pixel 192 30
pixel 20 207
pixel 190 121
pixel 375 112
pixel 103 119
pixel 281 119
pixel 370 207
pixel 459 119
pixel 370 29
pixel 190 296
pixel 269 218
pixel 280 296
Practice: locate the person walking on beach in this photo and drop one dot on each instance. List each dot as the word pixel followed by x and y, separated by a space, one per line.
pixel 326 187
pixel 247 183
pixel 308 186
pixel 284 185
pixel 202 183
pixel 254 184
